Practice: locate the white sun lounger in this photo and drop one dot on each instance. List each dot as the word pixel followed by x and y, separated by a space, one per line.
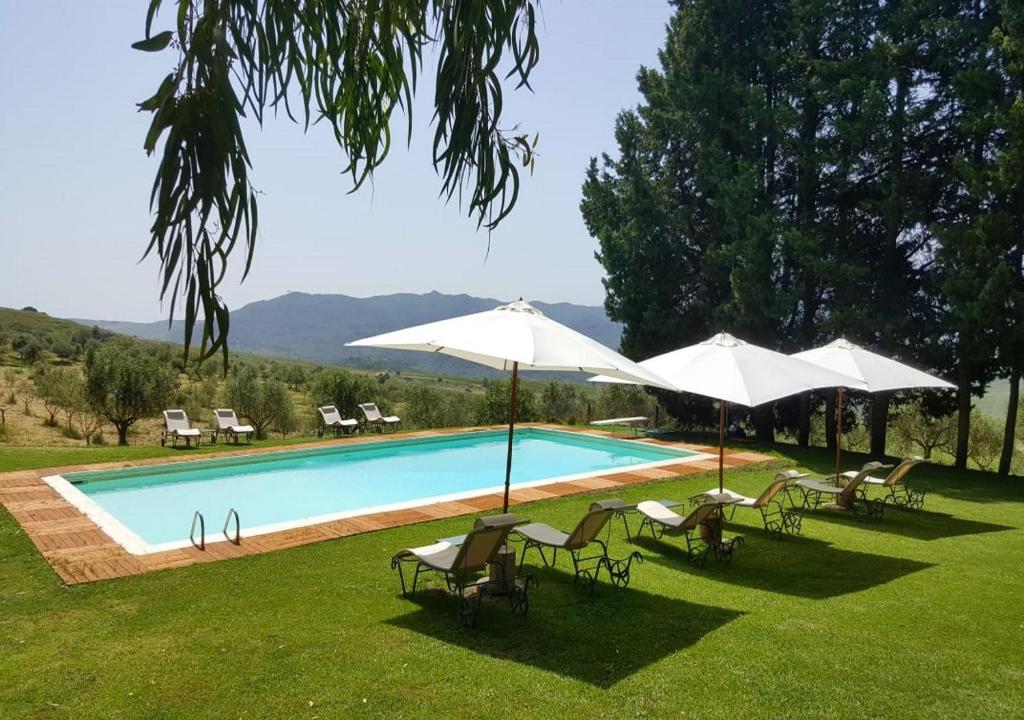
pixel 900 494
pixel 374 417
pixel 771 503
pixel 457 563
pixel 330 419
pixel 177 426
pixel 632 422
pixel 586 568
pixel 227 423
pixel 847 496
pixel 663 521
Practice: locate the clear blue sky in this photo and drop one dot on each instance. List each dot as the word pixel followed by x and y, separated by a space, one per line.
pixel 74 181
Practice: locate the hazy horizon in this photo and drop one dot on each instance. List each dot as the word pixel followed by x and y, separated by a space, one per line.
pixel 74 183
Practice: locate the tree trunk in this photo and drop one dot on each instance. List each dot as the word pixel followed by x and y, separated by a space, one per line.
pixel 803 431
pixel 1010 430
pixel 764 422
pixel 830 420
pixel 879 422
pixel 122 433
pixel 963 420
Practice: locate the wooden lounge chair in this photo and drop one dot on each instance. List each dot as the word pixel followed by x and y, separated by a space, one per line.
pixel 845 496
pixel 228 425
pixel 458 563
pixel 586 568
pixel 372 416
pixel 779 513
pixel 176 425
pixel 330 419
pixel 663 521
pixel 898 492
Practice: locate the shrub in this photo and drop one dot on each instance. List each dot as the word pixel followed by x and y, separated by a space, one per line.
pixel 259 401
pixel 985 440
pixel 493 408
pixel 561 403
pixel 124 382
pixel 345 390
pixel 618 400
pixel 285 420
pixel 428 407
pixel 913 428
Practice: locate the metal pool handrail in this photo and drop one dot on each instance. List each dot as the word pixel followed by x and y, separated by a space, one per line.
pixel 202 531
pixel 238 527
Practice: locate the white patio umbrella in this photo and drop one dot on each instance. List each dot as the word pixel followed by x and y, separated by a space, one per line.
pixel 877 372
pixel 733 371
pixel 515 337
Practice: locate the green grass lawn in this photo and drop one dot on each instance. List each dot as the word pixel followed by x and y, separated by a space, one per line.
pixel 30 458
pixel 917 616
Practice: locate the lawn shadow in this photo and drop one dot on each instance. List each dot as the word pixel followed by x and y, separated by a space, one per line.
pixel 789 565
pixel 599 640
pixel 917 524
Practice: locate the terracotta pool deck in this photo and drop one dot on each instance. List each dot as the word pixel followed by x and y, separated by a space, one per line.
pixel 80 552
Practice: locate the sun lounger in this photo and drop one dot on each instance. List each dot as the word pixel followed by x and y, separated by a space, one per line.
pixel 845 496
pixel 895 484
pixel 587 568
pixel 779 513
pixel 632 422
pixel 176 425
pixel 330 419
pixel 373 417
pixel 227 423
pixel 458 563
pixel 663 521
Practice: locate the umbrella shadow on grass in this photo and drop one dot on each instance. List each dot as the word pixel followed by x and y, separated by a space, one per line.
pixel 599 640
pixel 916 524
pixel 790 565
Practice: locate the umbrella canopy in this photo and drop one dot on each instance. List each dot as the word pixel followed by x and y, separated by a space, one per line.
pixel 727 368
pixel 515 337
pixel 515 334
pixel 732 370
pixel 877 373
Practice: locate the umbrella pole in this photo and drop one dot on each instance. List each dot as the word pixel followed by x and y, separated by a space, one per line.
pixel 721 443
pixel 513 403
pixel 839 428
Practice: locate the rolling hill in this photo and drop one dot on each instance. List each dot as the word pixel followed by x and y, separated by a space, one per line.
pixel 316 327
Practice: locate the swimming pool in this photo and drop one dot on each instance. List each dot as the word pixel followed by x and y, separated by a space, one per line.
pixel 149 509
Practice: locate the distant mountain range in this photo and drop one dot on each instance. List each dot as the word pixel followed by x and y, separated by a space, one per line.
pixel 316 328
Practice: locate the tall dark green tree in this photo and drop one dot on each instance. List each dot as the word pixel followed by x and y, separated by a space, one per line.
pixel 975 223
pixel 1008 40
pixel 802 169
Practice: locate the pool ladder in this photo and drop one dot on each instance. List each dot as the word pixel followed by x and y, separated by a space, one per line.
pixel 197 517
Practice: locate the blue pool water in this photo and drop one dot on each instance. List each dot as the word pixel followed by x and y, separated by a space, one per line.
pixel 157 502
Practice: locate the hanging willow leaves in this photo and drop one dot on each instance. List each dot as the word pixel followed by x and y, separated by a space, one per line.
pixel 347 63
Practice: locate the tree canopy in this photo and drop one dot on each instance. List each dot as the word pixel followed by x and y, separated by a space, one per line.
pixel 803 169
pixel 125 382
pixel 347 64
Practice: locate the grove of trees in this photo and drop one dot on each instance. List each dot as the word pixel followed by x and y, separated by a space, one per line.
pixel 799 170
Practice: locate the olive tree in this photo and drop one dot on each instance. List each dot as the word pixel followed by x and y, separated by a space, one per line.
pixel 124 382
pixel 261 402
pixel 345 64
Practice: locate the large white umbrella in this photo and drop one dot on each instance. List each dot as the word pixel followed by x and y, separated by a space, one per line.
pixel 515 337
pixel 731 370
pixel 877 373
